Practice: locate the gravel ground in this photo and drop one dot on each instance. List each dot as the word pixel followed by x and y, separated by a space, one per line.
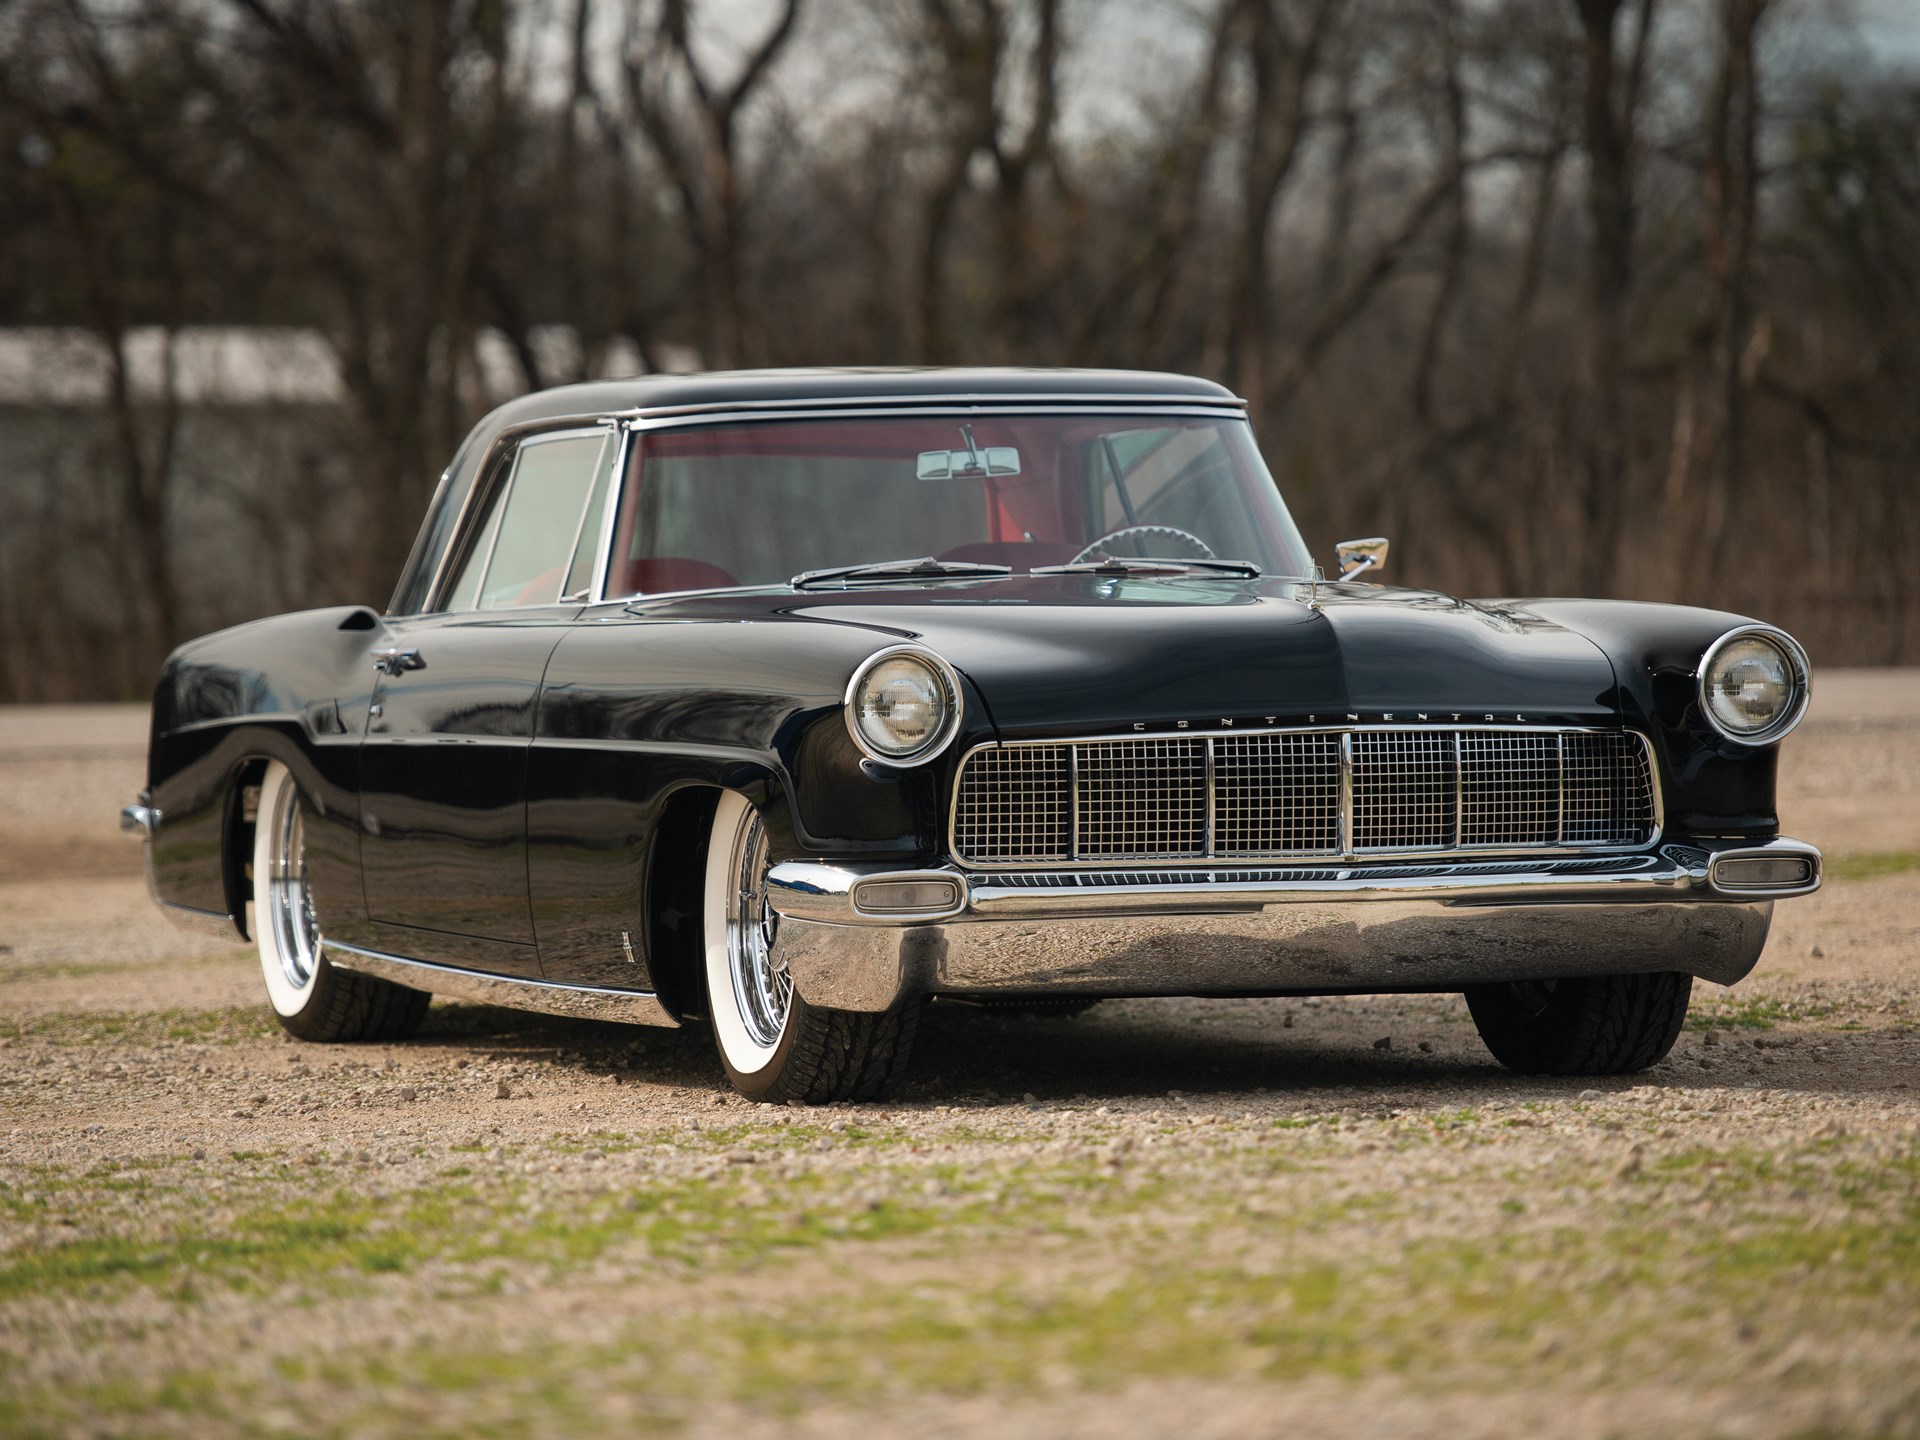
pixel 1221 1218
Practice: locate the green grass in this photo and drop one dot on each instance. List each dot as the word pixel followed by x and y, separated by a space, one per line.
pixel 1758 1012
pixel 1872 865
pixel 1256 1250
pixel 1652 1287
pixel 83 1027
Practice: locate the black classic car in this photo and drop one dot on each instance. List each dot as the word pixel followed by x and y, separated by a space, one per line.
pixel 796 700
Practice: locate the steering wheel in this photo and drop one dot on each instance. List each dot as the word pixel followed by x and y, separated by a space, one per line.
pixel 1171 531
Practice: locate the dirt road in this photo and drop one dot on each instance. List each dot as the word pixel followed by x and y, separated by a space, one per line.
pixel 1211 1218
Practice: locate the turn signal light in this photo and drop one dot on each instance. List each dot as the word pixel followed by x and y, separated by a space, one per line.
pixel 907 897
pixel 1763 872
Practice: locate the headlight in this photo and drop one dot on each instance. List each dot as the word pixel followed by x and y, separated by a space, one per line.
pixel 903 705
pixel 1754 685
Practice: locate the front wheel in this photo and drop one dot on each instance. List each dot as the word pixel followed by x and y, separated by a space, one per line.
pixel 775 1046
pixel 1597 1025
pixel 310 997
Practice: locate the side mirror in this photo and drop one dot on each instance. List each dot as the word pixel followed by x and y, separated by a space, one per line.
pixel 1359 556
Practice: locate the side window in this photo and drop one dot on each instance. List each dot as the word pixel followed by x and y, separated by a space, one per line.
pixel 586 549
pixel 529 546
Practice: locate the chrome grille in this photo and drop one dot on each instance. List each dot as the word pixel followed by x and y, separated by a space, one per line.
pixel 1016 803
pixel 1607 790
pixel 1509 789
pixel 1143 798
pixel 1276 793
pixel 1403 790
pixel 1266 794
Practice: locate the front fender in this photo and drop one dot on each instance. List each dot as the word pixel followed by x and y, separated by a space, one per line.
pixel 1712 786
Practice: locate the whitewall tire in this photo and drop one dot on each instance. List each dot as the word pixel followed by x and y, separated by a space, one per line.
pixel 310 997
pixel 774 1045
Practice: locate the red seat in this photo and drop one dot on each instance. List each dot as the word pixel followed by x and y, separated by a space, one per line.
pixel 657 574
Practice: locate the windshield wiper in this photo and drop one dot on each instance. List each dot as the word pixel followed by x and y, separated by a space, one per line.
pixel 924 568
pixel 1132 565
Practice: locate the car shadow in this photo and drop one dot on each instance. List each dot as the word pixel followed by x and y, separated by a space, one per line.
pixel 1138 1050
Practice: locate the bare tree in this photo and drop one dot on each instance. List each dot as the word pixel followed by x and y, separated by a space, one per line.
pixel 1610 96
pixel 1282 40
pixel 972 67
pixel 692 121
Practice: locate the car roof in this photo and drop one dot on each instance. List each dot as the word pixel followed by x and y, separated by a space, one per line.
pixel 723 391
pixel 753 389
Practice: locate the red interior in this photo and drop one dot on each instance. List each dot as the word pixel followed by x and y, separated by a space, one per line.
pixel 654 574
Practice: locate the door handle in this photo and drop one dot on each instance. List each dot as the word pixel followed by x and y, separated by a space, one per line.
pixel 396 661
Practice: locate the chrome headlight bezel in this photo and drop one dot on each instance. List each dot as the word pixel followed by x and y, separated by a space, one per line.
pixel 948 680
pixel 1797 666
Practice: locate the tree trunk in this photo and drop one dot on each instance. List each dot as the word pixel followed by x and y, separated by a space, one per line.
pixel 1608 139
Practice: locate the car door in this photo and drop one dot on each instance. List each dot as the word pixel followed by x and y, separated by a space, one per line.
pixel 444 760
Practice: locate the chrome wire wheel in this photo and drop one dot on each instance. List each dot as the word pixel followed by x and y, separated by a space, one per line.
pixel 296 928
pixel 776 1045
pixel 762 987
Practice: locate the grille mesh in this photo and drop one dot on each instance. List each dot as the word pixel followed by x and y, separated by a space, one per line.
pixel 1278 794
pixel 1509 789
pixel 1015 804
pixel 1402 790
pixel 1143 798
pixel 1609 794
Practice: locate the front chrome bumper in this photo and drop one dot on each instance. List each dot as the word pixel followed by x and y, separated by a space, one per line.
pixel 1277 930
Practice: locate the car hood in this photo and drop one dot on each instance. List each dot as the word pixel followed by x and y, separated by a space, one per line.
pixel 1095 654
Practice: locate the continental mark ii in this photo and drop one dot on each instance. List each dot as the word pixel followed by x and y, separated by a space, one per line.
pixel 794 701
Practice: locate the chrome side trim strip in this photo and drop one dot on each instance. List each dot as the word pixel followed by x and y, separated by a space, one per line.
pixel 215 924
pixel 583 1002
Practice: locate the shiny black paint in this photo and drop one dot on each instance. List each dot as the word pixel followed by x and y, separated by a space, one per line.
pixel 443 776
pixel 503 809
pixel 635 709
pixel 1714 786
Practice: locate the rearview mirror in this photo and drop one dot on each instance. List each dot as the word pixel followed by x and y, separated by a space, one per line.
pixel 968 464
pixel 1359 556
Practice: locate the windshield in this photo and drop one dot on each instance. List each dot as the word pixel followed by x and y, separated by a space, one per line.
pixel 758 503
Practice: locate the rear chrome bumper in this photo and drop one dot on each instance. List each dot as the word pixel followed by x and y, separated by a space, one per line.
pixel 1277 930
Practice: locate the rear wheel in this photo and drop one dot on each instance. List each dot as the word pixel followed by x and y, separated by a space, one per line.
pixel 311 998
pixel 1596 1025
pixel 775 1046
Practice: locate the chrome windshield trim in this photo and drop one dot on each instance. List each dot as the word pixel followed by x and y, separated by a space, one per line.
pixel 971 400
pixel 1346 850
pixel 637 422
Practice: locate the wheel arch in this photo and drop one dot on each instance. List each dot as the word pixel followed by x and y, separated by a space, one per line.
pixel 239 819
pixel 675 874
